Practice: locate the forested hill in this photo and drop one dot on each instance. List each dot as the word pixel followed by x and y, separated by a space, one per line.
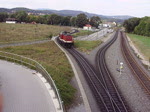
pixel 64 13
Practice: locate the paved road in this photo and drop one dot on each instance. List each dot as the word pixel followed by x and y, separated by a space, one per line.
pixel 95 36
pixel 22 90
pixel 24 43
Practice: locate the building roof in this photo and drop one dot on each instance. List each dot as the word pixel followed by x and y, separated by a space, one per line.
pixel 11 19
pixel 88 25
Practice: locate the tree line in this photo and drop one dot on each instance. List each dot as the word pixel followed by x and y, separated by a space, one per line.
pixel 140 26
pixel 79 21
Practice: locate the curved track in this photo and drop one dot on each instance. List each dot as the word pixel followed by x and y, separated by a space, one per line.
pixel 104 90
pixel 117 101
pixel 140 75
pixel 95 84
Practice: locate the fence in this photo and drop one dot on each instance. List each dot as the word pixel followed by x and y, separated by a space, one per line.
pixel 34 65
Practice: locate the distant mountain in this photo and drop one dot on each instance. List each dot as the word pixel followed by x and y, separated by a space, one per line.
pixel 64 13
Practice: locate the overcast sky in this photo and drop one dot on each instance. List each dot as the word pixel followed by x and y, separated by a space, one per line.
pixel 138 8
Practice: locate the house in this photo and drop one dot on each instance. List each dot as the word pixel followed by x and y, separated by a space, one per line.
pixel 87 27
pixel 107 25
pixel 11 20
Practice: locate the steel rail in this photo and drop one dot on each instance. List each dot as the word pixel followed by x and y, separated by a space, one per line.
pixel 140 75
pixel 101 93
pixel 93 81
pixel 105 96
pixel 105 75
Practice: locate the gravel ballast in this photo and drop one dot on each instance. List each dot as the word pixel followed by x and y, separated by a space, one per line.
pixel 130 88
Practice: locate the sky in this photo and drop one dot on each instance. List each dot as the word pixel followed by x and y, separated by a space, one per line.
pixel 137 8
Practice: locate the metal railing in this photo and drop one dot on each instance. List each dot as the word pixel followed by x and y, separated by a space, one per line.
pixel 36 66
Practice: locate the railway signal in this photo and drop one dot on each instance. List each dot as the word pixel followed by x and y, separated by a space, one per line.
pixel 121 67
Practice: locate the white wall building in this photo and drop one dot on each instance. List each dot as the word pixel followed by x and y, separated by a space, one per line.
pixel 11 20
pixel 87 27
pixel 107 25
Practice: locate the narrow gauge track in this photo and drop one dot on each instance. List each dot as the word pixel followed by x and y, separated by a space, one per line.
pixel 99 91
pixel 118 103
pixel 142 77
pixel 106 100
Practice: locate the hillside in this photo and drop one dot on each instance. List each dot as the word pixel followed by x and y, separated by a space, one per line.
pixel 65 13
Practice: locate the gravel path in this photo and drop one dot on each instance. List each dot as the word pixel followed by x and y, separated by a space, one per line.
pixel 95 36
pixel 24 43
pixel 22 90
pixel 130 88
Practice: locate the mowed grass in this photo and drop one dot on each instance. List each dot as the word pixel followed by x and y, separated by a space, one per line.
pixel 55 62
pixel 28 32
pixel 86 46
pixel 142 43
pixel 82 33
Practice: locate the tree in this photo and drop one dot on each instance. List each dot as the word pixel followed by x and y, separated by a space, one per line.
pixel 81 20
pixel 144 27
pixel 147 29
pixel 140 29
pixel 66 21
pixel 41 19
pixel 46 19
pixel 131 23
pixel 95 21
pixel 73 21
pixel 21 16
pixel 3 17
pixel 31 18
pixel 54 19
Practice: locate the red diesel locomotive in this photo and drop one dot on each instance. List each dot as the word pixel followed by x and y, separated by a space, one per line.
pixel 66 39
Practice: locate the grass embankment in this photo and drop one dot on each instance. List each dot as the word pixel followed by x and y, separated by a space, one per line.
pixel 86 46
pixel 82 33
pixel 55 62
pixel 28 32
pixel 142 43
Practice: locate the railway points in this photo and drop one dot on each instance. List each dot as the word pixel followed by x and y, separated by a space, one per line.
pixel 107 100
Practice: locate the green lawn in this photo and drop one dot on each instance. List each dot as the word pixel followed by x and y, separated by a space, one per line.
pixel 55 62
pixel 142 43
pixel 86 46
pixel 82 33
pixel 28 32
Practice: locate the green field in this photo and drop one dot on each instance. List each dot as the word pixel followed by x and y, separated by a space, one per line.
pixel 86 46
pixel 82 33
pixel 55 62
pixel 142 43
pixel 28 32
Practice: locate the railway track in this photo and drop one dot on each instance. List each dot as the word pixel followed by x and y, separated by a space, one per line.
pixel 101 94
pixel 107 96
pixel 118 102
pixel 140 75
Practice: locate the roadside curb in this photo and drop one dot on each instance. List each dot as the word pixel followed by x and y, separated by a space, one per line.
pixel 50 92
pixel 85 100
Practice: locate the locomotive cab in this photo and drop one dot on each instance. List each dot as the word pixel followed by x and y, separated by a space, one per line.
pixel 66 39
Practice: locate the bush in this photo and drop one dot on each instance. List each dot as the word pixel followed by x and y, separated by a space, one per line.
pixel 50 36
